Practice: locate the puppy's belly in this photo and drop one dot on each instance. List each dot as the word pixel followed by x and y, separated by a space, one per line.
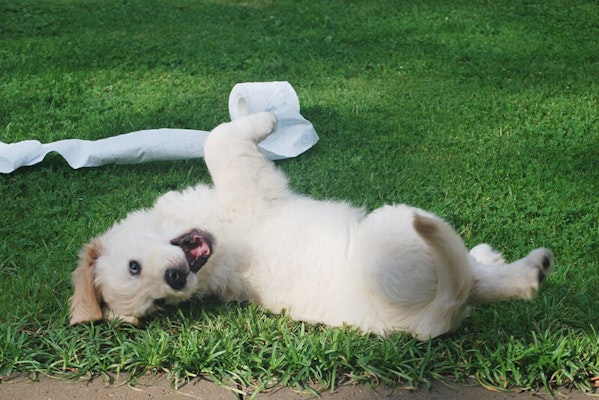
pixel 304 259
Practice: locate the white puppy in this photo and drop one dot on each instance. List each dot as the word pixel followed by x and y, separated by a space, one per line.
pixel 250 238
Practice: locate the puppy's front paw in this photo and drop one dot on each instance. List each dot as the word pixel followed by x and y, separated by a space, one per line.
pixel 263 124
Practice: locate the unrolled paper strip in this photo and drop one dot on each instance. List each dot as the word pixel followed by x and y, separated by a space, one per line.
pixel 294 135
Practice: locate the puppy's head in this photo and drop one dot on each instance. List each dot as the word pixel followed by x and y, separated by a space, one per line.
pixel 136 267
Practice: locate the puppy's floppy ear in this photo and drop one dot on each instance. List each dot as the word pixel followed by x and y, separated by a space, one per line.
pixel 86 300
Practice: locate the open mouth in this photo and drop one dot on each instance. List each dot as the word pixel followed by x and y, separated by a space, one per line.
pixel 197 246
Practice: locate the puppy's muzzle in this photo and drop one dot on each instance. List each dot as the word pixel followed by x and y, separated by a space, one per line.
pixel 197 246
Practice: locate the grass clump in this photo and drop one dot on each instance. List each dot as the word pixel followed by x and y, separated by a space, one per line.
pixel 483 112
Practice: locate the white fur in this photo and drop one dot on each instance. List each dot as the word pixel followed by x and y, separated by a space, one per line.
pixel 396 269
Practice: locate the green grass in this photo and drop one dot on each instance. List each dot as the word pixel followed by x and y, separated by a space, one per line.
pixel 485 112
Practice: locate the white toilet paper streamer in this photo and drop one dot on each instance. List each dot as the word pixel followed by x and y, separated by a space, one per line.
pixel 294 135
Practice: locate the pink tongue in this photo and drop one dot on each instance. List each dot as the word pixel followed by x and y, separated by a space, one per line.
pixel 202 250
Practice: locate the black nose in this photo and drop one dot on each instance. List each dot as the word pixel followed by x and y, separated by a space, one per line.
pixel 175 278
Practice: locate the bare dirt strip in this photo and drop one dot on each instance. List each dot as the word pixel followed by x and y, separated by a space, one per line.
pixel 159 387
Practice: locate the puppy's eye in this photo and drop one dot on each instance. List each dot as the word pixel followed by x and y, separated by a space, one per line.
pixel 134 268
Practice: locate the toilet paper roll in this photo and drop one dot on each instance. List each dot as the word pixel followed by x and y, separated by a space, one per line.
pixel 294 135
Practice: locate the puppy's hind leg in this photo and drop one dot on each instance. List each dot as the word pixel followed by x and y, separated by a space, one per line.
pixel 484 254
pixel 239 170
pixel 518 280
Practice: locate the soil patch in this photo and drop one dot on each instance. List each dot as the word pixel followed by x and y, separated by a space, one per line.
pixel 159 387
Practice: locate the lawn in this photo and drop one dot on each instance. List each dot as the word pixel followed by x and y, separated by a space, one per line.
pixel 484 112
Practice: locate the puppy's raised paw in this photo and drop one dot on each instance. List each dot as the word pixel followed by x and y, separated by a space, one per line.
pixel 263 124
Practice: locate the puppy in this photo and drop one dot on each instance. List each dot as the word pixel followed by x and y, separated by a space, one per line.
pixel 250 238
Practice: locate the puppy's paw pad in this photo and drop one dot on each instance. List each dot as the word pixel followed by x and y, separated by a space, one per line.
pixel 538 265
pixel 543 261
pixel 484 254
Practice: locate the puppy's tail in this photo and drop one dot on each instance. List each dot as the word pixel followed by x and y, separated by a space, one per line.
pixel 453 267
